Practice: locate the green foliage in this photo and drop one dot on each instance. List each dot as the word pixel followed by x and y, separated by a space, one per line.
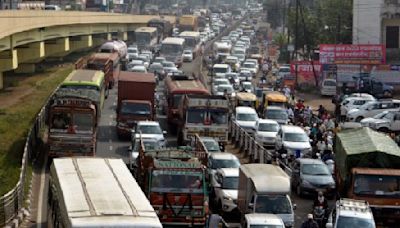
pixel 323 21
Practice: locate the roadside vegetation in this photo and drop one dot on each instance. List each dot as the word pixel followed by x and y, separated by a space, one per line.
pixel 16 120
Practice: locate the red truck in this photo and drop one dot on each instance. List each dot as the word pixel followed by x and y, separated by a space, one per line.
pixel 135 100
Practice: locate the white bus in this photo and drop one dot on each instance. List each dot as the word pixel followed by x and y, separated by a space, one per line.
pixel 192 41
pixel 172 49
pixel 96 192
pixel 146 37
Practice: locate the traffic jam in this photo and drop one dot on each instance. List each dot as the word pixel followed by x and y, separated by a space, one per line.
pixel 179 90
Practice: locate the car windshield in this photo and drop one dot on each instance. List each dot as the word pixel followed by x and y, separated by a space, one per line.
pixel 168 64
pixel 148 145
pixel 355 222
pixel 132 51
pixel 248 65
pixel 187 52
pixel 276 114
pixel 230 183
pixel 315 169
pixel 176 181
pixel 135 109
pixel 221 82
pixel 246 116
pixel 273 204
pixel 228 89
pixel 247 86
pixel 388 116
pixel 149 129
pixel 377 185
pixel 220 69
pixel 295 137
pixel 159 60
pixel 211 145
pixel 268 127
pixel 366 105
pixel 224 163
pixel 380 115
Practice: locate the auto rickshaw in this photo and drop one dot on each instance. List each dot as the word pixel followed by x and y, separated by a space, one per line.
pixel 273 98
pixel 246 99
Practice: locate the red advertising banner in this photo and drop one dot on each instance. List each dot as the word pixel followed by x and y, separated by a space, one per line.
pixel 370 54
pixel 305 70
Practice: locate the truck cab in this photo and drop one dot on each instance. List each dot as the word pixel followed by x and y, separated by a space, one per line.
pixel 265 188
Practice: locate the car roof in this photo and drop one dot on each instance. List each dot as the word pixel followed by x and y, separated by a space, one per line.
pixel 246 82
pixel 258 218
pixel 223 155
pixel 309 161
pixel 292 129
pixel 267 121
pixel 221 65
pixel 244 109
pixel 229 172
pixel 148 123
pixel 139 67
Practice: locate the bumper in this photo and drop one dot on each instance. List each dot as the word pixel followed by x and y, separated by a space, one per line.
pixel 228 205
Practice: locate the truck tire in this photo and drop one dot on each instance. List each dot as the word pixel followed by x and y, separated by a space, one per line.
pixel 358 119
pixel 384 129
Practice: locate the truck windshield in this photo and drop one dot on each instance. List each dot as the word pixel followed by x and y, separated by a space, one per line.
pixel 218 117
pixel 354 222
pixel 176 181
pixel 135 109
pixel 176 100
pixel 377 185
pixel 143 38
pixel 230 183
pixel 273 204
pixel 171 49
pixel 83 121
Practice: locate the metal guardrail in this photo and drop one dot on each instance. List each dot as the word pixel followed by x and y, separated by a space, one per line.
pixel 13 201
pixel 254 150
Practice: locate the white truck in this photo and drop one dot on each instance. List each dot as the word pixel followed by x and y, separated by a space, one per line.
pixel 221 50
pixel 389 123
pixel 265 189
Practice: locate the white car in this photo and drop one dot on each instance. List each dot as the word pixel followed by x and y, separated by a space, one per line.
pixel 283 71
pixel 372 108
pixel 250 66
pixel 246 118
pixel 266 131
pixel 350 103
pixel 150 129
pixel 246 86
pixel 169 67
pixel 139 69
pixel 159 60
pixel 148 143
pixel 367 121
pixel 219 81
pixel 134 63
pixel 187 56
pixel 132 53
pixel 221 160
pixel 291 140
pixel 220 70
pixel 255 61
pixel 245 75
pixel 233 61
pixel 225 185
pixel 221 89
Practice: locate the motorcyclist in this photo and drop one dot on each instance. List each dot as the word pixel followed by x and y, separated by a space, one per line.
pixel 321 201
pixel 309 223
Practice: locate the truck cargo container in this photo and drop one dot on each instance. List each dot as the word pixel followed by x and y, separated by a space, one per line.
pixel 135 100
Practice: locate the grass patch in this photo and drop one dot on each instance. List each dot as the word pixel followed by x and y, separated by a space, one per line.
pixel 16 121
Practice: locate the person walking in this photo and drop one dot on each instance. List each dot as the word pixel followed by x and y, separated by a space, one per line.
pixel 309 223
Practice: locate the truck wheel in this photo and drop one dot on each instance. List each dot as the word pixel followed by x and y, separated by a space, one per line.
pixel 358 119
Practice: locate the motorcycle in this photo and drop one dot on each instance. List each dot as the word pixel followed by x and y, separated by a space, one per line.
pixel 319 214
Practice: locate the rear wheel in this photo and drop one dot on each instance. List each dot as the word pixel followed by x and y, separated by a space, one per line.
pixel 358 119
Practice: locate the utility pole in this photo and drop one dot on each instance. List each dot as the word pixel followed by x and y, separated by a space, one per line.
pixel 296 43
pixel 284 16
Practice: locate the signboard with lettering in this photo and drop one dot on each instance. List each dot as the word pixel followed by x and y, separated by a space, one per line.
pixel 305 70
pixel 369 54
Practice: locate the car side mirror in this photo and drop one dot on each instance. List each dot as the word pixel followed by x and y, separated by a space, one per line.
pixel 329 225
pixel 294 206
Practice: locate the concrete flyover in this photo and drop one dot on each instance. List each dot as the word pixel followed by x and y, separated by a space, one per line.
pixel 29 36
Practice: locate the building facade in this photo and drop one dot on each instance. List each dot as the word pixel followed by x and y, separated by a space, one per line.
pixel 378 22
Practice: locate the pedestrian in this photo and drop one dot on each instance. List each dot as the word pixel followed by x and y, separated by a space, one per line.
pixel 290 113
pixel 309 223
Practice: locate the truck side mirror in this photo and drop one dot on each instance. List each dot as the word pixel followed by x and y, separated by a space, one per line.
pixel 294 206
pixel 164 132
pixel 329 225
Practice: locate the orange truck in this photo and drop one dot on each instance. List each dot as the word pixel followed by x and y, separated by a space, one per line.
pixel 188 23
pixel 106 62
pixel 367 168
pixel 175 184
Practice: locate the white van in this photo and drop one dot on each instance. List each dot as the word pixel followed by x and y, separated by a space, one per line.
pixel 328 87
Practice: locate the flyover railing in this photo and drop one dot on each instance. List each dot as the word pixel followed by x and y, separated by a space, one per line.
pixel 13 201
pixel 247 144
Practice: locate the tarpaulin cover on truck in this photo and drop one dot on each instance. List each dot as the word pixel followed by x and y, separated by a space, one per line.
pixel 366 148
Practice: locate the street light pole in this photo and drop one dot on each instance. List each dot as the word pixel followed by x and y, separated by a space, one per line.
pixel 296 43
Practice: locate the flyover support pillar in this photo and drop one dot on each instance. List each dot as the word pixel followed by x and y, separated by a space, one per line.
pixel 56 46
pixel 81 42
pixel 25 68
pixel 31 52
pixel 8 60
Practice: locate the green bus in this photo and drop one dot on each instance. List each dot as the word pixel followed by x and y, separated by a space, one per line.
pixel 87 83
